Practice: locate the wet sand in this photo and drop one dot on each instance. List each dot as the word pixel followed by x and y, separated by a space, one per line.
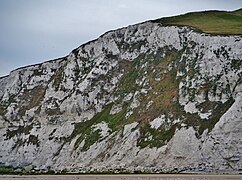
pixel 122 177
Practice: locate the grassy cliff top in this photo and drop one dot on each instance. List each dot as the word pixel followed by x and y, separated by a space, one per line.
pixel 213 22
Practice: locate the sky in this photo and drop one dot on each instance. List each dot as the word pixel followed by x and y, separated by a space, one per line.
pixel 34 31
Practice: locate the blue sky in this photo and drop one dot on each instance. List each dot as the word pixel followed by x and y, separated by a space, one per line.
pixel 33 31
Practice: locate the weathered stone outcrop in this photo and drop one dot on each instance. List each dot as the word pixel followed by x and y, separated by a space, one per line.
pixel 144 97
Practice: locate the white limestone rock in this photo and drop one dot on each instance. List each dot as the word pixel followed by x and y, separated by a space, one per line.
pixel 157 122
pixel 40 105
pixel 129 127
pixel 103 126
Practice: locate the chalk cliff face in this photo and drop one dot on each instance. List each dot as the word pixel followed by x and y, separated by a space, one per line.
pixel 145 97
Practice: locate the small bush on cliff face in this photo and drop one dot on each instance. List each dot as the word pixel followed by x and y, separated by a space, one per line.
pixel 90 138
pixel 236 64
pixel 9 170
pixel 2 110
pixel 33 140
pixel 155 137
pixel 6 170
pixel 20 130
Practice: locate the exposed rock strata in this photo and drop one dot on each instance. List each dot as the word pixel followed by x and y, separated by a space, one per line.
pixel 144 97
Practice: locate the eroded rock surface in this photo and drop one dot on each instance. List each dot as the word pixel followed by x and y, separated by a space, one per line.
pixel 143 97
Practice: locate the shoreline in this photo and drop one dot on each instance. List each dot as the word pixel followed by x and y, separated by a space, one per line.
pixel 125 177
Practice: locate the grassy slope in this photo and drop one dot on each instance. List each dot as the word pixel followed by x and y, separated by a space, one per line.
pixel 214 22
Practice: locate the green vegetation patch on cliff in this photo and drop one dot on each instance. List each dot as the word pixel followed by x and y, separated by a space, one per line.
pixel 85 129
pixel 32 98
pixel 160 71
pixel 20 130
pixel 2 109
pixel 164 91
pixel 7 170
pixel 161 75
pixel 219 110
pixel 214 22
pixel 155 137
pixel 131 72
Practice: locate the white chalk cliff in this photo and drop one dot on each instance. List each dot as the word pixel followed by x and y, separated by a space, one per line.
pixel 146 97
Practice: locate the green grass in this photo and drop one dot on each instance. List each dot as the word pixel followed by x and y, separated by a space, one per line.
pixel 155 138
pixel 218 111
pixel 90 138
pixel 163 101
pixel 213 22
pixel 164 94
pixel 127 82
pixel 6 170
pixel 115 122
